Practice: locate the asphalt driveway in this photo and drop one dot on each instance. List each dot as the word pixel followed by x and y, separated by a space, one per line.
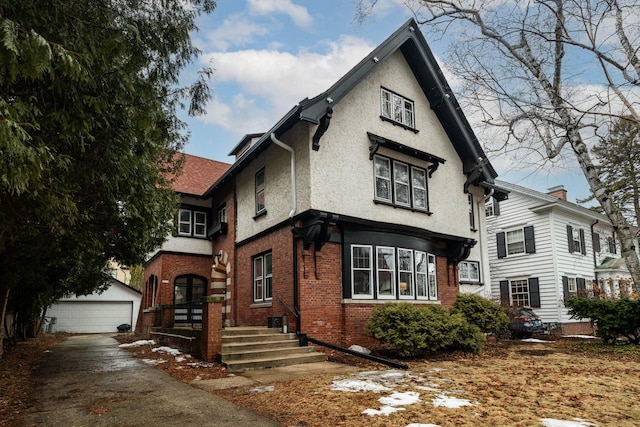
pixel 87 380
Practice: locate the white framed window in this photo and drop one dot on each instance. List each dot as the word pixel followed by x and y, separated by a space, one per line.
pixel 419 187
pixel 382 174
pixel 400 183
pixel 199 224
pixel 488 208
pixel 432 277
pixel 184 222
pixel 222 214
pixel 386 272
pixel 405 273
pixel 519 292
pixel 262 278
pixel 397 108
pixel 515 242
pixel 422 289
pixel 469 271
pixel 572 286
pixel 260 190
pixel 575 237
pixel 361 271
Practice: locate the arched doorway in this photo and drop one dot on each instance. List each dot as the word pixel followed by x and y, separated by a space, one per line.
pixel 187 291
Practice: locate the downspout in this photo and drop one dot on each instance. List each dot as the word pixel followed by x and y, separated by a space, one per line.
pixel 294 251
pixel 595 260
pixel 483 245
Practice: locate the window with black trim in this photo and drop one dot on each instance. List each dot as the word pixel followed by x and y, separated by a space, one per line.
pixel 400 184
pixel 520 292
pixel 575 240
pixel 222 214
pixel 469 271
pixel 192 223
pixel 260 189
pixel 262 278
pixel 611 242
pixel 385 272
pixel 472 214
pixel 397 108
pixel 491 207
pixel 516 241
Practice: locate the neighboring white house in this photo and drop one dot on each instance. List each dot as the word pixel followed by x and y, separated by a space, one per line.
pixel 544 249
pixel 97 312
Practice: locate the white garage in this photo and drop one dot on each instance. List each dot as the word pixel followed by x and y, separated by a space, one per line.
pixel 96 312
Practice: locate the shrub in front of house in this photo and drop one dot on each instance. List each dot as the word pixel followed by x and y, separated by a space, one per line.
pixel 412 330
pixel 613 319
pixel 479 311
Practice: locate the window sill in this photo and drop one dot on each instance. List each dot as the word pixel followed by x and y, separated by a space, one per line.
pixel 259 214
pixel 189 236
pixel 384 301
pixel 471 282
pixel 402 125
pixel 261 305
pixel 408 208
pixel 474 230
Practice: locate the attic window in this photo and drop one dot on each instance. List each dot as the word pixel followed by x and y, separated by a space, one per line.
pixel 397 109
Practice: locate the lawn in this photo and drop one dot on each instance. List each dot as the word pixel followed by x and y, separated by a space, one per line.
pixel 514 383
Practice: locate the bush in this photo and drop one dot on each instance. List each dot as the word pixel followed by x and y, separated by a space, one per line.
pixel 613 318
pixel 417 330
pixel 485 314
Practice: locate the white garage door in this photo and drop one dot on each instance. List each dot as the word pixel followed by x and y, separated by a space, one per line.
pixel 84 316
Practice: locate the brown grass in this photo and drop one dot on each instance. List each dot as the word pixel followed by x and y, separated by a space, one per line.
pixel 514 383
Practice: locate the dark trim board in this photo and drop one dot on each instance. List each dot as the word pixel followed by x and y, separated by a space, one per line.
pixel 186 254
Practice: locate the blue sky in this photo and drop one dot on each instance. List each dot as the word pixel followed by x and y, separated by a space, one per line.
pixel 267 55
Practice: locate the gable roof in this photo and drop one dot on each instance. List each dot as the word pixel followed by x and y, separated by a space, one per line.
pixel 410 41
pixel 198 174
pixel 548 202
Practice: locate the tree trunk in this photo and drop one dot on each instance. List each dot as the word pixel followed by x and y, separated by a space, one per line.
pixel 4 300
pixel 619 222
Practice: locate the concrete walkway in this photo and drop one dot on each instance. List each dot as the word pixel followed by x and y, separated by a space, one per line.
pixel 87 380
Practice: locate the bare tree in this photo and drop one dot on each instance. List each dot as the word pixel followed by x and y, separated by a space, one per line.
pixel 552 74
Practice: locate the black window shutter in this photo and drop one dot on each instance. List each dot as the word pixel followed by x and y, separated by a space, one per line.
pixel 504 293
pixel 570 238
pixel 582 243
pixel 502 245
pixel 529 240
pixel 595 241
pixel 581 284
pixel 496 206
pixel 534 292
pixel 565 287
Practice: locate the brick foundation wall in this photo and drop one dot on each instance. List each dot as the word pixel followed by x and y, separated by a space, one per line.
pixel 579 328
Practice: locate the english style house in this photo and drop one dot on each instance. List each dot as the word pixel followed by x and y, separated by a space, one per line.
pixel 544 249
pixel 373 191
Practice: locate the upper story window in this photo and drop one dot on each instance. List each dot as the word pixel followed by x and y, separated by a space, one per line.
pixel 260 188
pixel 472 214
pixel 517 241
pixel 222 214
pixel 397 109
pixel 612 245
pixel 192 223
pixel 575 240
pixel 400 184
pixel 491 207
pixel 384 272
pixel 469 271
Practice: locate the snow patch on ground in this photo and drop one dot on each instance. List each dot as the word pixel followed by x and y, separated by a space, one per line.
pixel 167 350
pixel 586 337
pixel 447 401
pixel 138 343
pixel 263 389
pixel 422 425
pixel 577 422
pixel 536 340
pixel 153 361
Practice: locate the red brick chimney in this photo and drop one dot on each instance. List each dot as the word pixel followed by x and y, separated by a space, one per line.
pixel 558 191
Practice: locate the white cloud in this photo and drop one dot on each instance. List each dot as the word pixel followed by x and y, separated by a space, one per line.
pixel 298 14
pixel 236 30
pixel 271 82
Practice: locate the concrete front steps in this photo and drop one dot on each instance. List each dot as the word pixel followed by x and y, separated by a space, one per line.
pixel 255 347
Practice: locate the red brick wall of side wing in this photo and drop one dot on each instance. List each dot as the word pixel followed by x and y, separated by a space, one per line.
pixel 245 311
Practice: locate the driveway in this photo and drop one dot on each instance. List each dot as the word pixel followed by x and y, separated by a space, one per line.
pixel 87 380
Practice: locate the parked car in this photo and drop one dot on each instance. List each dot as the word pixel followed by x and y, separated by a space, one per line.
pixel 524 322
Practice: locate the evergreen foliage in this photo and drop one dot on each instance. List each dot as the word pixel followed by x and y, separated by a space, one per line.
pixel 89 98
pixel 613 319
pixel 414 331
pixel 479 311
